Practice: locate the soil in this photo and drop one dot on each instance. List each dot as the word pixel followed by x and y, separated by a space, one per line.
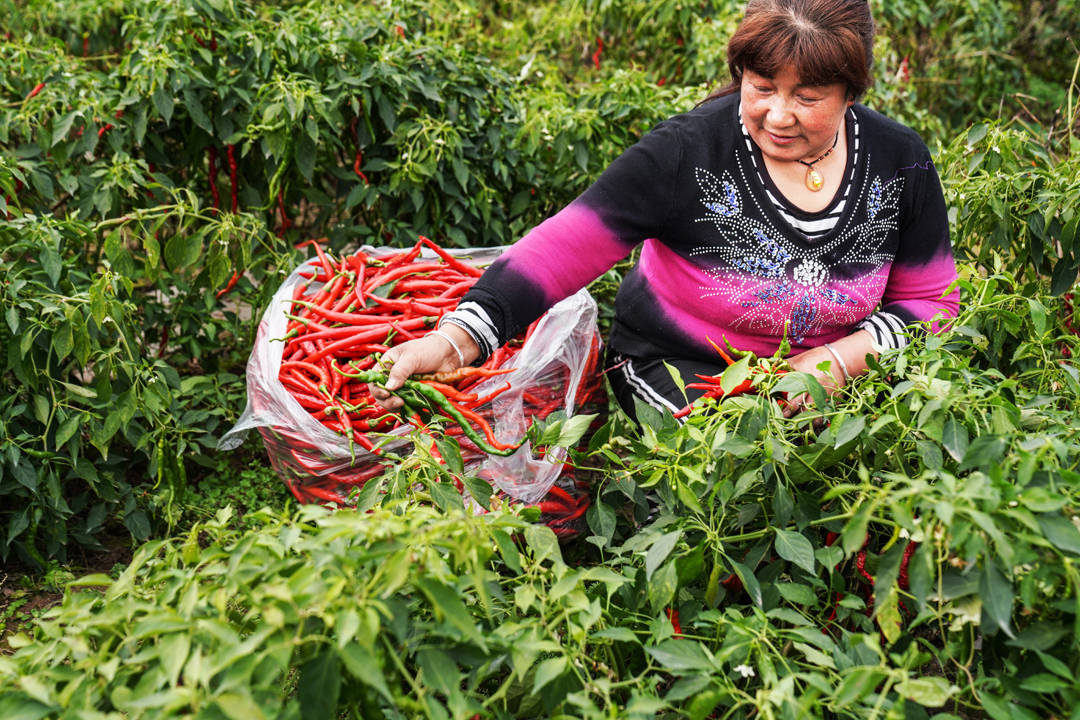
pixel 25 593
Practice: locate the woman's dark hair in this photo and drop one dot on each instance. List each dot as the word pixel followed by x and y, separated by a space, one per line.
pixel 826 41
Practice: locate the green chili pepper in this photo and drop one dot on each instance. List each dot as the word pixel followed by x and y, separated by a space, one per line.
pixel 416 395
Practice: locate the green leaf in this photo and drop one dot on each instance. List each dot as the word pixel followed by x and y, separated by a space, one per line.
pixel 1039 636
pixel 858 683
pixel 1043 683
pixel 927 691
pixel 51 263
pixel 851 429
pixel 581 156
pixel 479 489
pixel 63 126
pixel 921 574
pixel 574 429
pixel 795 548
pixel 954 438
pixel 173 653
pixel 602 520
pixel 543 543
pixel 1061 533
pixel 508 550
pixel 138 524
pixel 796 593
pixel 80 391
pixel 42 409
pixel 618 634
pixel 183 249
pixel 659 551
pixel 305 156
pixel 439 671
pixel 448 605
pixel 363 666
pixel 1055 665
pixel 976 133
pixel 25 474
pixel 62 340
pixel 998 708
pixel 997 596
pixel 547 671
pixel 853 536
pixel 237 705
pixel 815 656
pixel 20 707
pixel 163 102
pixel 984 453
pixel 679 654
pixel 67 429
pixel 735 374
pixel 1038 316
pixel 1064 276
pixel 749 581
pixel 445 496
pixel 663 586
pixel 888 570
pixel 195 110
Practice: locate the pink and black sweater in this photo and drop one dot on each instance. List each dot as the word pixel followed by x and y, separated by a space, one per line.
pixel 720 260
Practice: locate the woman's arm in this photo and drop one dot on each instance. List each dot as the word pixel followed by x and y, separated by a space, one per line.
pixel 849 361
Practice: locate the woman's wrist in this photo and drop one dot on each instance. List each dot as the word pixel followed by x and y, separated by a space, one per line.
pixel 463 349
pixel 847 356
pixel 846 376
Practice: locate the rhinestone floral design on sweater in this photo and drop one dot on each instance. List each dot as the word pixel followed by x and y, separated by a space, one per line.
pixel 765 279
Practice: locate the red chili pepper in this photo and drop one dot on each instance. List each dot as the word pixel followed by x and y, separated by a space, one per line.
pixel 860 566
pixel 599 49
pixel 389 275
pixel 323 494
pixel 33 93
pixel 673 616
pixel 356 167
pixel 908 552
pixel 732 583
pixel 211 160
pixel 450 260
pixel 228 286
pixel 285 222
pixel 230 153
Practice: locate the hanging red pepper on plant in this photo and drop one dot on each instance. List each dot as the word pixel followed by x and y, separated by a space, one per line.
pixel 230 152
pixel 211 161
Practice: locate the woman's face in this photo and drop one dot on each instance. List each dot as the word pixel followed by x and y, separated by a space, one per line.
pixel 790 121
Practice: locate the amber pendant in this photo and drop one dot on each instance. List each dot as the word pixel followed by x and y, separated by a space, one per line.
pixel 814 181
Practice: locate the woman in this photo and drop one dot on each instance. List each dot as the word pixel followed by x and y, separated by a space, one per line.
pixel 779 201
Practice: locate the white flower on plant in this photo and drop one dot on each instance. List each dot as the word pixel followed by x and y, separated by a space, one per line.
pixel 745 670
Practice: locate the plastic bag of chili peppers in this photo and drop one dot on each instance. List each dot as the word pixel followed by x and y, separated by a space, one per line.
pixel 320 340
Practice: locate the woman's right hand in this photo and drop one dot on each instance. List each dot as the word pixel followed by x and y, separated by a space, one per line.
pixel 429 354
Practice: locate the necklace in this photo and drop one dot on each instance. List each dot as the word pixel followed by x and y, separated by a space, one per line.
pixel 814 180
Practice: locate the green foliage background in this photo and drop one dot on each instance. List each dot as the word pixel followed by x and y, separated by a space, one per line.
pixel 470 121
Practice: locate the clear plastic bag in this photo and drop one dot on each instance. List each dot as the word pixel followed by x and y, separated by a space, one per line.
pixel 557 360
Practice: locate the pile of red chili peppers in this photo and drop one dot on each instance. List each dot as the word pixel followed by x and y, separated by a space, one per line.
pixel 348 313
